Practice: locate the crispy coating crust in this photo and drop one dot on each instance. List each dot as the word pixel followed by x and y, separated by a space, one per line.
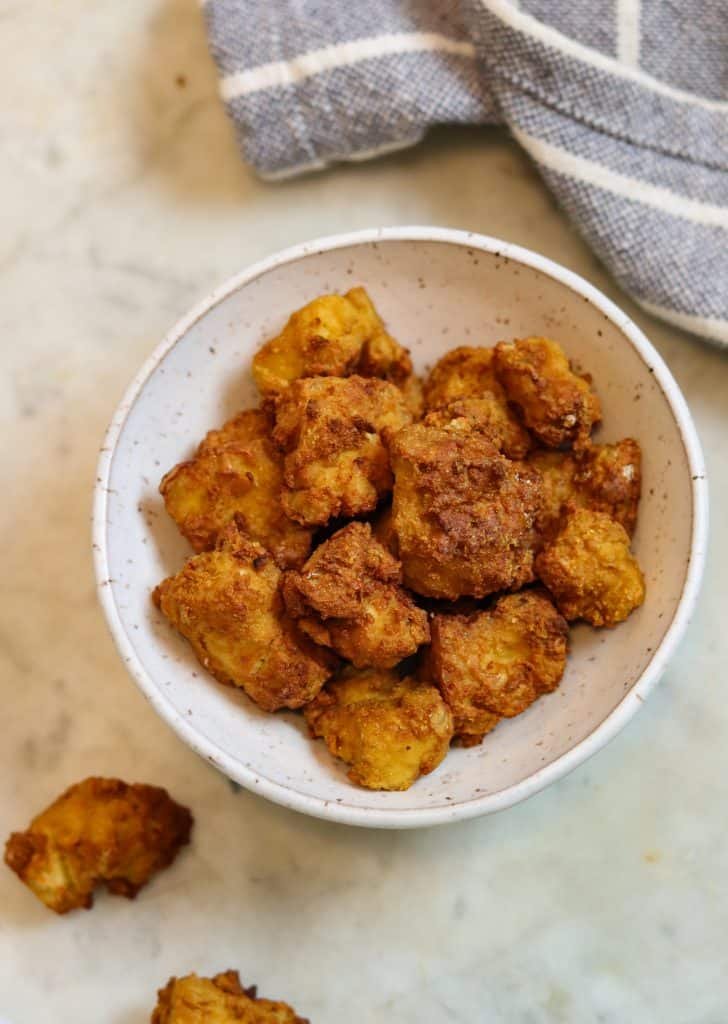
pixel 100 831
pixel 608 479
pixel 248 425
pixel 590 571
pixel 557 405
pixel 349 596
pixel 464 372
pixel 237 473
pixel 333 336
pixel 411 389
pixel 557 470
pixel 488 416
pixel 390 730
pixel 496 663
pixel 604 478
pixel 227 603
pixel 381 356
pixel 383 530
pixel 218 1000
pixel 333 432
pixel 463 513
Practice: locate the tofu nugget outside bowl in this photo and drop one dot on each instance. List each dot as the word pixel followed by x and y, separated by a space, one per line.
pixel 435 289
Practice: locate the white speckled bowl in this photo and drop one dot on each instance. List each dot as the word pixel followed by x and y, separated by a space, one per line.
pixel 435 288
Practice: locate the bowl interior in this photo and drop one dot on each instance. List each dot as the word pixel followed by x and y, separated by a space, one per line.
pixel 433 296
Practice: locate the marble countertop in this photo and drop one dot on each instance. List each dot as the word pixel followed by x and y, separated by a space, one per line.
pixel 602 899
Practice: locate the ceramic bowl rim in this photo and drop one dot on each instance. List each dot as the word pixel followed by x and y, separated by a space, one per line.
pixel 601 734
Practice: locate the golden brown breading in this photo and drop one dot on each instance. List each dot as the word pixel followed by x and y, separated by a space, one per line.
pixel 227 603
pixel 590 571
pixel 390 730
pixel 237 473
pixel 557 471
pixel 604 477
pixel 348 596
pixel 383 530
pixel 381 356
pixel 333 336
pixel 333 432
pixel 100 831
pixel 463 513
pixel 246 426
pixel 464 372
pixel 411 388
pixel 557 405
pixel 496 663
pixel 218 1000
pixel 486 415
pixel 608 479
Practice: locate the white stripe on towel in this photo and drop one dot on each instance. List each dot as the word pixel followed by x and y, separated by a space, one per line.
pixel 288 72
pixel 628 32
pixel 592 173
pixel 522 22
pixel 709 326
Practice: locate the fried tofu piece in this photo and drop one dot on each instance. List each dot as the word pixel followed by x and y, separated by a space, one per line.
pixel 464 372
pixel 248 425
pixel 486 415
pixel 383 530
pixel 333 336
pixel 556 404
pixel 100 831
pixel 467 375
pixel 414 398
pixel 237 473
pixel 557 470
pixel 463 513
pixel 390 730
pixel 496 663
pixel 227 603
pixel 604 477
pixel 218 1000
pixel 381 356
pixel 348 596
pixel 590 570
pixel 608 479
pixel 333 432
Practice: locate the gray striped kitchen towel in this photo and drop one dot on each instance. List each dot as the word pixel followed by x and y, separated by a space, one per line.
pixel 622 104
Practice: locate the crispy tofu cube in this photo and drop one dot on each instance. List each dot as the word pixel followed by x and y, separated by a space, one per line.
pixel 227 604
pixel 464 381
pixel 604 478
pixel 463 513
pixel 381 356
pixel 334 434
pixel 333 336
pixel 556 404
pixel 237 474
pixel 608 479
pixel 464 372
pixel 590 570
pixel 496 663
pixel 348 596
pixel 488 416
pixel 557 471
pixel 390 730
pixel 411 389
pixel 218 1000
pixel 383 530
pixel 100 831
